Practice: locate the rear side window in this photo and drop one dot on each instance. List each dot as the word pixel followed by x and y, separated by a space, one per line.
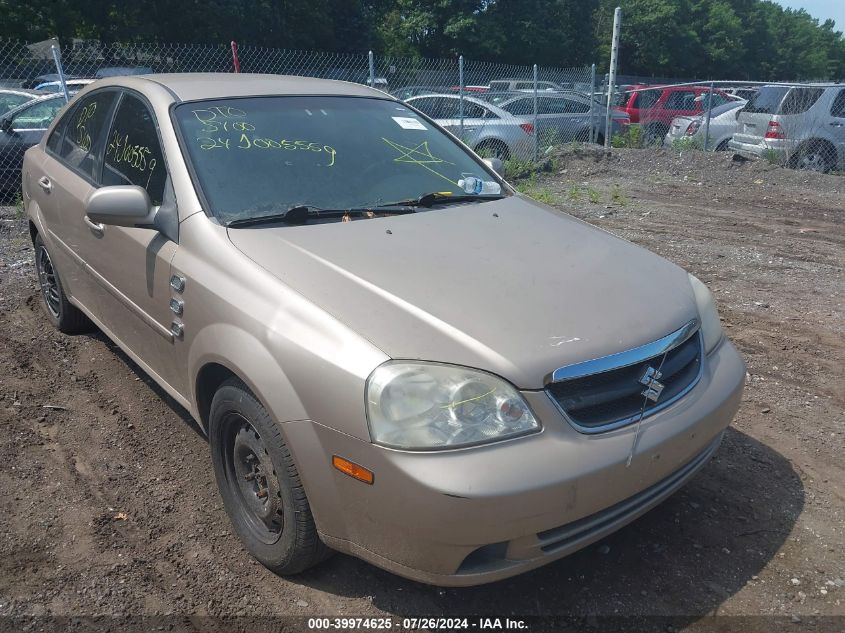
pixel 133 153
pixel 85 131
pixel 520 107
pixel 54 143
pixel 838 107
pixel 767 100
pixel 800 100
pixel 647 98
pixel 680 100
pixel 561 106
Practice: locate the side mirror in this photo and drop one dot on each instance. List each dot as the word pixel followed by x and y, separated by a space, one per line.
pixel 6 124
pixel 495 164
pixel 121 205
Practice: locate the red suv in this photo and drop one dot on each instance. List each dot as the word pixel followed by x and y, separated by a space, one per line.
pixel 654 107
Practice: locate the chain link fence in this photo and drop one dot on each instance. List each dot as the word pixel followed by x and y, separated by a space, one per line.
pixel 509 112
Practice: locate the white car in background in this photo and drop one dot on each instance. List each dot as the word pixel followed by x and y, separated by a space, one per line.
pixel 722 127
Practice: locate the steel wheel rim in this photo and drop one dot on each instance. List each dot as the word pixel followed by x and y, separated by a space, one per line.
pixel 48 282
pixel 252 479
pixel 813 162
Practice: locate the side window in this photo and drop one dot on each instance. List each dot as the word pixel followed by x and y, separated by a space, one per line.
pixel 133 153
pixel 576 107
pixel 680 100
pixel 525 85
pixel 10 101
pixel 647 98
pixel 427 106
pixel 800 100
pixel 838 107
pixel 520 107
pixel 54 143
pixel 38 116
pixel 473 111
pixel 85 131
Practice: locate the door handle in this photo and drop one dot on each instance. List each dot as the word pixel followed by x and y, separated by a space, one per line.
pixel 96 228
pixel 836 124
pixel 45 184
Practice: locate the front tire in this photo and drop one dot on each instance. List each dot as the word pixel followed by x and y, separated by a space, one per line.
pixel 259 483
pixel 64 316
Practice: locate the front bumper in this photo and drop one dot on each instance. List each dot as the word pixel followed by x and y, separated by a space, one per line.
pixel 476 515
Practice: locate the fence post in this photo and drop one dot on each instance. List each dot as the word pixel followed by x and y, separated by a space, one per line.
pixel 536 131
pixel 57 58
pixel 372 69
pixel 707 118
pixel 461 93
pixel 236 62
pixel 592 138
pixel 611 81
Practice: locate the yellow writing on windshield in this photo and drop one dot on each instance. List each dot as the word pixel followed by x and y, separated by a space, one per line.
pixel 228 119
pixel 419 155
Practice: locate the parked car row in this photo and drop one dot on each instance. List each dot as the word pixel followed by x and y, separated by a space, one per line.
pixel 504 125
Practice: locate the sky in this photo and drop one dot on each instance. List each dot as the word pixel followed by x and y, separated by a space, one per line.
pixel 821 9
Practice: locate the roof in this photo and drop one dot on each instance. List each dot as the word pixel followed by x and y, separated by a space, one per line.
pixel 193 86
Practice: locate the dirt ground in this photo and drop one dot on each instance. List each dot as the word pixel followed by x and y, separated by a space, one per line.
pixel 108 504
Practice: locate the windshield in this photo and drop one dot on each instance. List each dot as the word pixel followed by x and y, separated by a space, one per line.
pixel 264 155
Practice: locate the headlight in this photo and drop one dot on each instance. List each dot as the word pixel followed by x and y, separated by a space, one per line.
pixel 417 405
pixel 711 327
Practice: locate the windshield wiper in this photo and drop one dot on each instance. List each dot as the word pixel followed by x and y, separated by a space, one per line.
pixel 441 197
pixel 300 214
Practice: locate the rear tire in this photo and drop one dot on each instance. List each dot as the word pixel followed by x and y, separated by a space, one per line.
pixel 655 135
pixel 493 149
pixel 64 316
pixel 818 157
pixel 259 483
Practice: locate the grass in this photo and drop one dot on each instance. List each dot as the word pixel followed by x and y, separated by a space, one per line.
pixel 633 137
pixel 686 144
pixel 617 196
pixel 593 195
pixel 772 157
pixel 18 204
pixel 530 188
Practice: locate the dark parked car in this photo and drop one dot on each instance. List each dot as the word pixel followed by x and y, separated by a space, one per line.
pixel 20 129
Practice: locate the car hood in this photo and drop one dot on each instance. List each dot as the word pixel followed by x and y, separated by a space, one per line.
pixel 510 286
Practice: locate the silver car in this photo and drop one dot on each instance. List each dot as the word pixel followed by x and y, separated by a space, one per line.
pixel 393 353
pixel 723 123
pixel 800 126
pixel 488 129
pixel 566 117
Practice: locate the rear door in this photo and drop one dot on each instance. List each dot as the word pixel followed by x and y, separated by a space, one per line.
pixel 567 119
pixel 74 152
pixel 753 120
pixel 837 125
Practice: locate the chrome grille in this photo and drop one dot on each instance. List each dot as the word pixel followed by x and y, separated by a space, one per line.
pixel 611 392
